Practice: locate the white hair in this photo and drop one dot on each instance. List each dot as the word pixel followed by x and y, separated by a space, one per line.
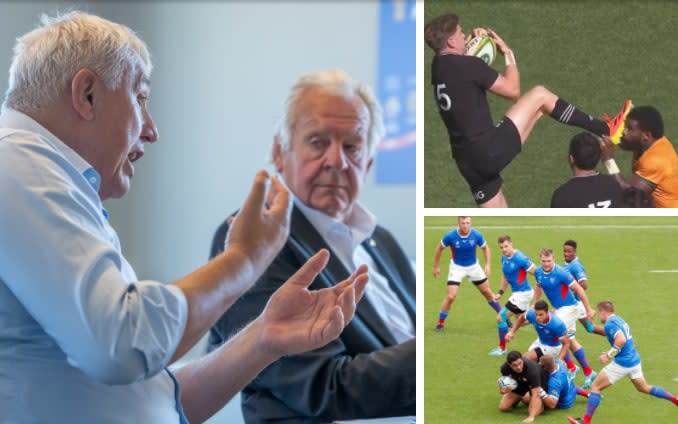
pixel 334 81
pixel 46 59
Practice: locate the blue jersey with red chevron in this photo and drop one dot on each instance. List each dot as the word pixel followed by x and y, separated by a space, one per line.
pixel 463 248
pixel 556 286
pixel 550 332
pixel 515 271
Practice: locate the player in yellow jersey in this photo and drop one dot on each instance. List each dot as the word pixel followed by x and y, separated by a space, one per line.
pixel 655 161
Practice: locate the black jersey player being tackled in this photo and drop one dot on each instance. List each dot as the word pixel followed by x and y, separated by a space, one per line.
pixel 480 148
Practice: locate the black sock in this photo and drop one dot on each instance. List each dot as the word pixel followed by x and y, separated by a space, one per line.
pixel 566 113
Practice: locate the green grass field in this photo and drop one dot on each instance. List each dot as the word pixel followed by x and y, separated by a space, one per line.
pixel 594 54
pixel 618 253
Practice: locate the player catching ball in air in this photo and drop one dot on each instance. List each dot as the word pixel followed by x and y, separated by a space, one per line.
pixel 480 148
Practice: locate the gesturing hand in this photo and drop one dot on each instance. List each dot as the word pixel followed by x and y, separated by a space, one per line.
pixel 261 227
pixel 297 319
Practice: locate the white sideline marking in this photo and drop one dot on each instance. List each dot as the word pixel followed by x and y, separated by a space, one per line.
pixel 561 227
pixel 664 270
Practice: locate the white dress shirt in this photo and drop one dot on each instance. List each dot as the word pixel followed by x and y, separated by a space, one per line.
pixel 345 240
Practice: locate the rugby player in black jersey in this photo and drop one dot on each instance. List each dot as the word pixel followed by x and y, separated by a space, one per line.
pixel 480 148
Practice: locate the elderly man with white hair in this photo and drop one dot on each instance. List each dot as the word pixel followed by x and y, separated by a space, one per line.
pixel 323 150
pixel 81 338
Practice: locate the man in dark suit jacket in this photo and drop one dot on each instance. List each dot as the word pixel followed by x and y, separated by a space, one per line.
pixel 323 150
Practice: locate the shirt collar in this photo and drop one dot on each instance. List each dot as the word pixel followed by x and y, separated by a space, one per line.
pixel 14 119
pixel 360 223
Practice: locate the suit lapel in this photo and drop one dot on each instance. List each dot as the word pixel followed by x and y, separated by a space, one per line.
pixel 306 239
pixel 387 269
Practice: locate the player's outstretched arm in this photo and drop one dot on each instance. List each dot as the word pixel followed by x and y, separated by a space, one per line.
pixel 537 294
pixel 582 295
pixel 607 150
pixel 519 323
pixel 531 269
pixel 535 407
pixel 599 330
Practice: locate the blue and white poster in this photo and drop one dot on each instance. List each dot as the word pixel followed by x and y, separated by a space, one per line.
pixel 396 82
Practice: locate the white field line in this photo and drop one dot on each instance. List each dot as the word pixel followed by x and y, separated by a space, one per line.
pixel 562 227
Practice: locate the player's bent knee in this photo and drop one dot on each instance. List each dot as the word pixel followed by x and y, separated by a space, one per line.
pixel 505 408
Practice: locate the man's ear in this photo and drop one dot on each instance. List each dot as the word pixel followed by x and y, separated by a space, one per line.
pixel 570 159
pixel 82 93
pixel 646 136
pixel 277 153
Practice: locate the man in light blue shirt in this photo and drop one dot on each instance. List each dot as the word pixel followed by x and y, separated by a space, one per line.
pixel 81 338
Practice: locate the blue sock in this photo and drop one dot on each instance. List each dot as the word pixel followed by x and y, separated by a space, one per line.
pixel 568 361
pixel 494 305
pixel 503 329
pixel 442 316
pixel 592 404
pixel 581 357
pixel 503 314
pixel 660 393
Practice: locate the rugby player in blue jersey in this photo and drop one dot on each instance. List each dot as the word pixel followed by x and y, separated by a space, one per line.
pixel 560 288
pixel 574 266
pixel 561 390
pixel 626 362
pixel 463 242
pixel 515 266
pixel 552 335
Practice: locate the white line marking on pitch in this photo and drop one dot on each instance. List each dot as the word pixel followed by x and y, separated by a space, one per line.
pixel 563 227
pixel 664 270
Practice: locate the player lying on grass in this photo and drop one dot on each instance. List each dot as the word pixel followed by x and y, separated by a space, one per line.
pixel 561 391
pixel 528 377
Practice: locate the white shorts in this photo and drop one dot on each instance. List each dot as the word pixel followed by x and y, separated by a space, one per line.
pixel 546 349
pixel 616 372
pixel 522 299
pixel 569 315
pixel 581 310
pixel 474 272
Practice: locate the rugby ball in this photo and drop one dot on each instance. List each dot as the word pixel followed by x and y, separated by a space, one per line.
pixel 506 381
pixel 483 48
